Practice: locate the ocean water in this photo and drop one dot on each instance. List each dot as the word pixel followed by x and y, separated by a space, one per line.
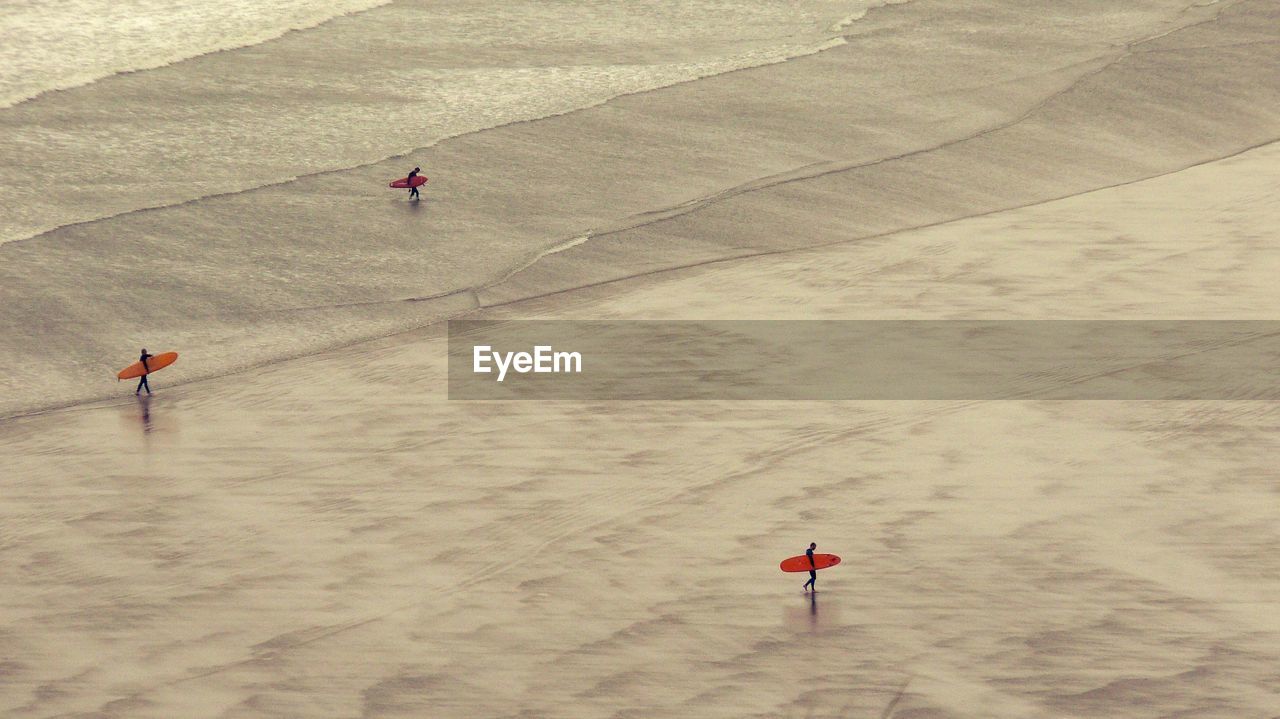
pixel 55 44
pixel 233 206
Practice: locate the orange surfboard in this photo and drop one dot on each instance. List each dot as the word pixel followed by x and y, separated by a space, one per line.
pixel 801 563
pixel 156 362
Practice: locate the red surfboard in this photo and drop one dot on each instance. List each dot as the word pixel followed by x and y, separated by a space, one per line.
pixel 403 182
pixel 156 362
pixel 801 563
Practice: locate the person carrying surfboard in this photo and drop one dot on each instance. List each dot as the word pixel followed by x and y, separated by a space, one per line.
pixel 813 573
pixel 413 189
pixel 142 381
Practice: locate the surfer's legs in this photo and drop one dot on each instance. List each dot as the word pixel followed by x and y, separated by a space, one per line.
pixel 413 192
pixel 142 383
pixel 813 579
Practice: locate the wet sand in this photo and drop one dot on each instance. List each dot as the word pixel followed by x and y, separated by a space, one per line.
pixel 331 537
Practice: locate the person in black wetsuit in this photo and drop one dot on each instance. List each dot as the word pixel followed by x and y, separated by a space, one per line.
pixel 413 191
pixel 142 381
pixel 813 573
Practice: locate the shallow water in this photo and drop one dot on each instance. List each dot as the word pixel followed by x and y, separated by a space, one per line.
pixel 356 89
pixel 274 234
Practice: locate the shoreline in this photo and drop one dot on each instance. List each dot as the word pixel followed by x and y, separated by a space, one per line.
pixel 504 234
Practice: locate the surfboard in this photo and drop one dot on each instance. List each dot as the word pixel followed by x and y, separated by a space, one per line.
pixel 403 183
pixel 156 362
pixel 801 563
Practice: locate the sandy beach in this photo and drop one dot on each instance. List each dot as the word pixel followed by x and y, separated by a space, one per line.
pixel 300 523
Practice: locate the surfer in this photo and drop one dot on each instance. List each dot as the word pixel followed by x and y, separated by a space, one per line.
pixel 142 381
pixel 413 189
pixel 813 573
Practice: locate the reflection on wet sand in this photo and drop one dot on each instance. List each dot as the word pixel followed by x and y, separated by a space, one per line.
pixel 815 615
pixel 146 417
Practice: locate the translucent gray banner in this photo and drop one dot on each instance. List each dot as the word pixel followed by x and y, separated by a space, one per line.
pixel 856 359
